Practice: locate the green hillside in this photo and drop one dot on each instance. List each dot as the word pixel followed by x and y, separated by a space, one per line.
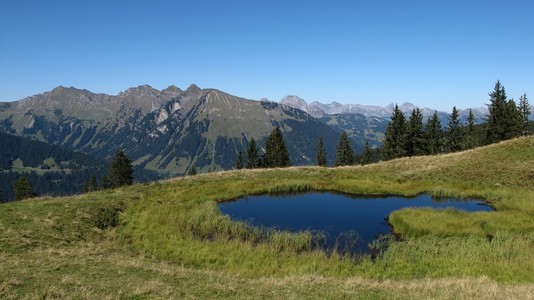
pixel 50 169
pixel 168 239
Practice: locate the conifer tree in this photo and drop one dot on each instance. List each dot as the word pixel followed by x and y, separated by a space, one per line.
pixel 276 155
pixel 23 189
pixel 470 139
pixel 513 120
pixel 433 135
pixel 105 182
pixel 394 137
pixel 344 153
pixel 1 197
pixel 454 132
pixel 253 157
pixel 91 185
pixel 120 170
pixel 470 122
pixel 321 153
pixel 495 127
pixel 413 141
pixel 368 154
pixel 192 171
pixel 239 161
pixel 524 109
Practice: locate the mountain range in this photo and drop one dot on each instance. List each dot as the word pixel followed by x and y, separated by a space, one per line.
pixel 167 131
pixel 172 130
pixel 319 110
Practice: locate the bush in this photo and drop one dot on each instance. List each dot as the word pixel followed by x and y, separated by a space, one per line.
pixel 107 217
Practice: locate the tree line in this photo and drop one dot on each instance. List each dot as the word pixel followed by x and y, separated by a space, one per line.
pixel 275 155
pixel 119 173
pixel 410 137
pixel 506 120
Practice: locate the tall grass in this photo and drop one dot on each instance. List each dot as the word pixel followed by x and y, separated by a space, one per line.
pixel 188 211
pixel 172 236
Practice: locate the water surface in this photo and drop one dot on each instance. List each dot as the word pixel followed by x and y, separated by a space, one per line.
pixel 337 215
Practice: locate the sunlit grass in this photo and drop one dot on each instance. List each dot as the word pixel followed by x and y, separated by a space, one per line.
pixel 173 242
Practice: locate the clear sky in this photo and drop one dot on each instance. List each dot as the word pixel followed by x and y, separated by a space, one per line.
pixel 431 53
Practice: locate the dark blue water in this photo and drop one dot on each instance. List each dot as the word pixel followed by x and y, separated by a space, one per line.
pixel 336 215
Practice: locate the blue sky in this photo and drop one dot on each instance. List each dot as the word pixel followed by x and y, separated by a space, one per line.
pixel 431 53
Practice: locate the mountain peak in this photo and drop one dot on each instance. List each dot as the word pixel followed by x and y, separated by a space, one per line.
pixel 58 88
pixel 407 106
pixel 173 89
pixel 295 101
pixel 141 89
pixel 193 88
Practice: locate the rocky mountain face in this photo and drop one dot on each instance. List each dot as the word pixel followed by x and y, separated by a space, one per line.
pixel 320 110
pixel 168 131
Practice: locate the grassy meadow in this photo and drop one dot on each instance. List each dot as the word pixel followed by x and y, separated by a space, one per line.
pixel 168 239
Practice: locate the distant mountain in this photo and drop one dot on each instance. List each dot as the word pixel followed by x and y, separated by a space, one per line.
pixel 319 110
pixel 359 127
pixel 167 131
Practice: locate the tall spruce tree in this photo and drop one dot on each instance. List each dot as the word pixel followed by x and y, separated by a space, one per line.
pixel 276 154
pixel 192 171
pixel 470 138
pixel 344 153
pixel 496 130
pixel 368 154
pixel 433 135
pixel 23 188
pixel 470 122
pixel 524 109
pixel 321 153
pixel 413 141
pixel 455 138
pixel 513 120
pixel 239 161
pixel 253 158
pixel 105 182
pixel 120 171
pixel 91 185
pixel 394 137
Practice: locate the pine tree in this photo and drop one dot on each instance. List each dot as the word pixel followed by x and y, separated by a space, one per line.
pixel 239 161
pixel 91 185
pixel 1 197
pixel 192 171
pixel 454 132
pixel 513 120
pixel 433 135
pixel 321 153
pixel 470 123
pixel 120 170
pixel 368 154
pixel 495 127
pixel 470 139
pixel 413 141
pixel 253 157
pixel 276 155
pixel 105 183
pixel 524 108
pixel 394 137
pixel 23 189
pixel 344 153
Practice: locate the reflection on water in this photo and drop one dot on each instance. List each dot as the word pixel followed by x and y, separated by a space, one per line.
pixel 346 223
